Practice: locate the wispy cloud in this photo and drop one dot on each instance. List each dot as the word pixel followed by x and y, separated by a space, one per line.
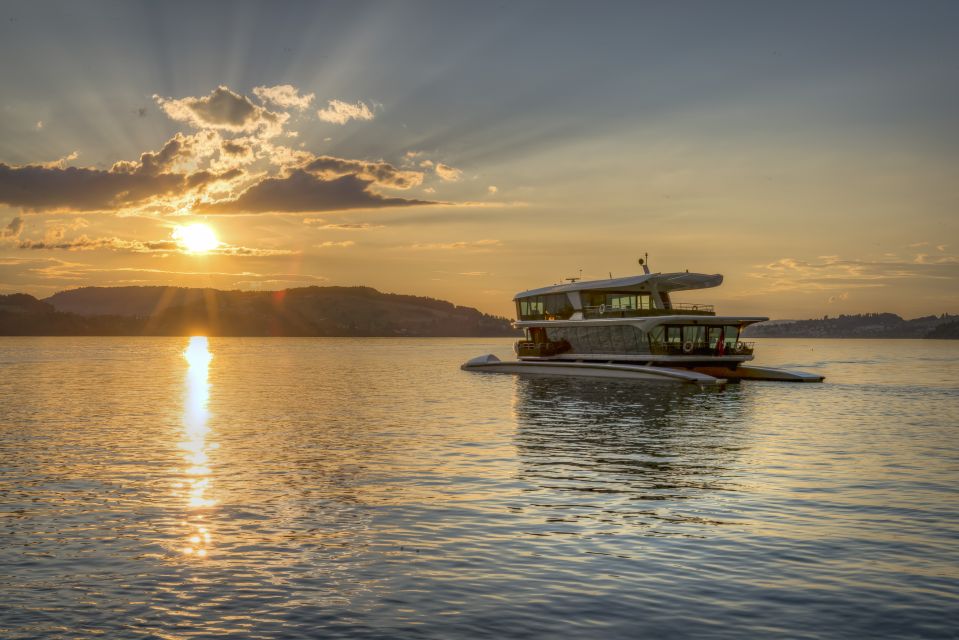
pixel 85 243
pixel 332 244
pixel 448 173
pixel 381 173
pixel 472 245
pixel 831 273
pixel 285 96
pixel 340 112
pixel 341 226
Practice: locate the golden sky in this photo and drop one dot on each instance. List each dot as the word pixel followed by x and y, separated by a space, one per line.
pixel 808 153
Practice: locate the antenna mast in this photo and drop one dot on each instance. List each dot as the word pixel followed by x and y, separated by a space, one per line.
pixel 645 263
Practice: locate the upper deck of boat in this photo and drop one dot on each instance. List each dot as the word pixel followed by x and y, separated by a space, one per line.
pixel 662 282
pixel 636 296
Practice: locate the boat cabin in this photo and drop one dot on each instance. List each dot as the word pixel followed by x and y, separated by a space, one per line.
pixel 635 296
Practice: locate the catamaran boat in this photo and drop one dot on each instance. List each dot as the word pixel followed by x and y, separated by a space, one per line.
pixel 631 328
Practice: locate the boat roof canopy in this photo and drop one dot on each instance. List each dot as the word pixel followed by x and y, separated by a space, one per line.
pixel 661 281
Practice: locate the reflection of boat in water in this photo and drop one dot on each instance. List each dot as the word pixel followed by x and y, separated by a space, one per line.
pixel 647 443
pixel 630 328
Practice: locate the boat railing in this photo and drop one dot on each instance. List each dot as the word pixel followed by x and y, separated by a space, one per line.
pixel 690 306
pixel 702 348
pixel 678 309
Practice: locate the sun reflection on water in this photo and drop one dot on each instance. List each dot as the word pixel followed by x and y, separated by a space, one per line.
pixel 197 476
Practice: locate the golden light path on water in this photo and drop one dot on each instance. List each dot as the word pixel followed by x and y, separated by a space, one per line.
pixel 197 477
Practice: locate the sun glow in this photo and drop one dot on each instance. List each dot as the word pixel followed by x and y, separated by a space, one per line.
pixel 196 238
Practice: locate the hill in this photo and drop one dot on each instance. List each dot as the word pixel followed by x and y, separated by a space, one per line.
pixel 309 311
pixel 866 325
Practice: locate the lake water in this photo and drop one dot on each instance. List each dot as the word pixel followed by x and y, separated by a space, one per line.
pixel 262 488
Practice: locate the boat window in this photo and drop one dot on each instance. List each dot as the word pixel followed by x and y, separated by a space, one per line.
pixel 695 334
pixel 619 301
pixel 657 334
pixel 674 334
pixel 555 306
pixel 729 335
pixel 732 334
pixel 714 335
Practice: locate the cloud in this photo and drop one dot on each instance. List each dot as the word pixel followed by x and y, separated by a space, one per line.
pixel 60 163
pixel 339 112
pixel 329 243
pixel 84 243
pixel 13 229
pixel 223 109
pixel 228 250
pixel 285 96
pixel 177 150
pixel 448 173
pixel 41 272
pixel 39 188
pixel 39 125
pixel 230 165
pixel 382 173
pixel 56 230
pixel 156 175
pixel 474 245
pixel 301 191
pixel 342 226
pixel 830 273
pixel 357 226
pixel 492 189
pixel 842 297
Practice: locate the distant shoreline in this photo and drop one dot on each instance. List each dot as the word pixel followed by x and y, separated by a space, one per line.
pixel 345 312
pixel 867 325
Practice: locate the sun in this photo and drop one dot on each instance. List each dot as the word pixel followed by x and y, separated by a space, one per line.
pixel 196 238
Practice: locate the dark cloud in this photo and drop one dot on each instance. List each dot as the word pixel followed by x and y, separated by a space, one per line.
pixel 233 148
pixel 202 178
pixel 382 173
pixel 301 191
pixel 54 186
pixel 152 163
pixel 80 189
pixel 38 188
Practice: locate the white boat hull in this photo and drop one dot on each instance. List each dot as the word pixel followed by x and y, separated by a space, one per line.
pixel 491 364
pixel 750 372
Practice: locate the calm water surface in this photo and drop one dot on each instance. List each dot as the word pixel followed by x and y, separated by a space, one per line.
pixel 162 488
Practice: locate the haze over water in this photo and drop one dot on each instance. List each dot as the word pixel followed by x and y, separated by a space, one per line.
pixel 181 488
